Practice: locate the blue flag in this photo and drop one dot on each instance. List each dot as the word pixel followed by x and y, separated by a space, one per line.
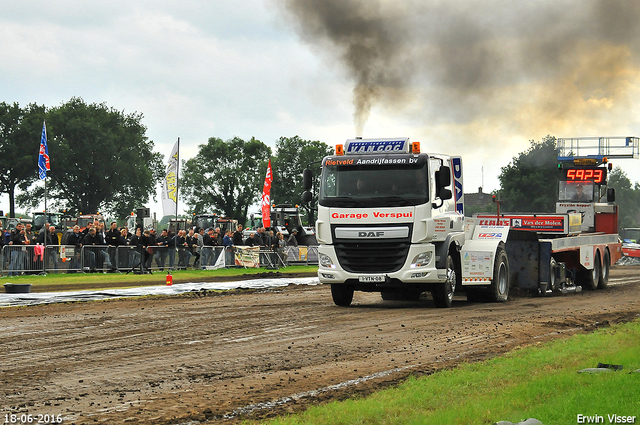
pixel 43 159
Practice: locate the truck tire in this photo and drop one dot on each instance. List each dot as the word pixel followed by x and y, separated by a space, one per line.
pixel 604 275
pixel 342 294
pixel 443 294
pixel 500 283
pixel 592 277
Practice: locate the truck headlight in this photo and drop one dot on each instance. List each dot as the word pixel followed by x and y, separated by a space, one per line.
pixel 326 261
pixel 422 259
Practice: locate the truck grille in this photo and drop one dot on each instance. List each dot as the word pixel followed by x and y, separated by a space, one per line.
pixel 372 257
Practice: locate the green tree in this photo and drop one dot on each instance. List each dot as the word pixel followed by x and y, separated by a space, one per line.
pixel 101 160
pixel 20 130
pixel 627 198
pixel 530 181
pixel 293 154
pixel 225 177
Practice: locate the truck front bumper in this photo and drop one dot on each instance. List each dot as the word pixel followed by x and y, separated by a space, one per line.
pixel 408 274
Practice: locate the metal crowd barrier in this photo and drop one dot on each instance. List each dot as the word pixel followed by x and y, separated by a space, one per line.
pixel 259 257
pixel 307 255
pixel 35 259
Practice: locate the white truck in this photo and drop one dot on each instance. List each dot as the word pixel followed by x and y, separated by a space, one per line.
pixel 391 220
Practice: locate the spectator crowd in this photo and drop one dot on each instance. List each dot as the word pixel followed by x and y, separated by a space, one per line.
pixel 103 247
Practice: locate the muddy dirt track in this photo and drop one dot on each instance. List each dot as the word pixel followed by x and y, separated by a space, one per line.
pixel 218 359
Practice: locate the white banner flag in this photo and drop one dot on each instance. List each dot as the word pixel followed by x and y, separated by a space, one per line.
pixel 170 183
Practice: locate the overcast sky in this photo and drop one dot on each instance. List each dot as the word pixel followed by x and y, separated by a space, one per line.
pixel 473 78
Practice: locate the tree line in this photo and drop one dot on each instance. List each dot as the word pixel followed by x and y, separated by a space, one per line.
pixel 102 161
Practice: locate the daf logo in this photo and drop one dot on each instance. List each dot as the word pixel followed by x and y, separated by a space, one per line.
pixel 370 234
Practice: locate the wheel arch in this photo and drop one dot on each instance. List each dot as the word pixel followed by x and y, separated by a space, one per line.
pixel 451 245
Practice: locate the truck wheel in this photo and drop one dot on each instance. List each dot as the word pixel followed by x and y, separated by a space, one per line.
pixel 342 294
pixel 604 276
pixel 500 281
pixel 592 277
pixel 443 294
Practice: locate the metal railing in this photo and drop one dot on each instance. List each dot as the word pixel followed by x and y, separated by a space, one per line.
pixel 38 259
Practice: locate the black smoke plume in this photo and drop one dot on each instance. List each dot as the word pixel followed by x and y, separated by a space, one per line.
pixel 461 59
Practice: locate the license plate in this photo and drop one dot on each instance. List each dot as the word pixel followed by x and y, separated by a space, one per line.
pixel 370 279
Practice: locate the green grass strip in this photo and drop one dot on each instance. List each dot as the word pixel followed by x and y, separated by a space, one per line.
pixel 535 382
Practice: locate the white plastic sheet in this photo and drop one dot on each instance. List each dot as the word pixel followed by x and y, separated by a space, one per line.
pixel 8 300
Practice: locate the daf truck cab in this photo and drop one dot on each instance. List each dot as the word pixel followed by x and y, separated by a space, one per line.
pixel 390 220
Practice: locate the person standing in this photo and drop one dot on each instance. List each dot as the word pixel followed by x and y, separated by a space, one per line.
pixel 227 242
pixel 259 236
pixel 30 234
pixel 50 240
pixel 75 239
pixel 207 250
pixel 219 236
pixel 196 248
pixel 136 243
pixel 90 244
pixel 293 241
pixel 151 248
pixel 18 242
pixel 281 245
pixel 112 238
pixel 161 250
pixel 237 236
pixel 27 255
pixel 268 256
pixel 125 253
pixel 188 252
pixel 171 249
pixel 146 241
pixel 103 255
pixel 181 244
pixel 252 240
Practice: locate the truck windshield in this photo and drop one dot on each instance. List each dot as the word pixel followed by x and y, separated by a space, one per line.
pixel 580 191
pixel 52 219
pixel 374 181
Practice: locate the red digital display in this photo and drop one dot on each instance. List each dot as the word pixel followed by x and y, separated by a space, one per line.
pixel 596 175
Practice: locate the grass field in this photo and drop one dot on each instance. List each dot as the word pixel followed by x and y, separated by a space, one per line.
pixel 537 382
pixel 80 281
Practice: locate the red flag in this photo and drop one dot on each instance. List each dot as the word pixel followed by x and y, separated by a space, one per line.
pixel 266 198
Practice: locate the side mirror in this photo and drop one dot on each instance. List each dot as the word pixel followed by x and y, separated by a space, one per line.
pixel 307 179
pixel 306 197
pixel 611 194
pixel 444 194
pixel 443 176
pixel 443 179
